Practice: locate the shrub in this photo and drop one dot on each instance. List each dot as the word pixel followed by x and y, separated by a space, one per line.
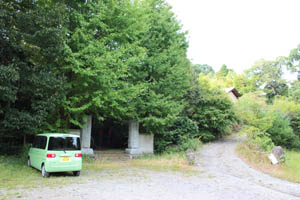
pixel 291 110
pixel 253 111
pixel 267 124
pixel 180 135
pixel 212 110
pixel 257 139
pixel 281 132
pixel 206 136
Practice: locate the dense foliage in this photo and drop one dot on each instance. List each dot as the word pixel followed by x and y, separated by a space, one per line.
pixel 112 59
pixel 31 40
pixel 266 125
pixel 211 109
pixel 207 115
pixel 180 135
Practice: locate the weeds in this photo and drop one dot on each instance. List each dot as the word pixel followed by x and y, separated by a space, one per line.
pixel 290 170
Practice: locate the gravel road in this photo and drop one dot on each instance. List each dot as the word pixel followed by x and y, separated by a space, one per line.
pixel 222 176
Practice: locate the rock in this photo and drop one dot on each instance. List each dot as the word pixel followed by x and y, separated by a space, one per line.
pixel 276 155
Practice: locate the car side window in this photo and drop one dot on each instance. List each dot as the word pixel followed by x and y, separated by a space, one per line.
pixel 36 142
pixel 39 142
pixel 43 142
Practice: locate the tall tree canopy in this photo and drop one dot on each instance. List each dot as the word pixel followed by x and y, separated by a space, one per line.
pixel 203 68
pixel 31 40
pixel 124 60
pixel 268 74
pixel 61 60
pixel 224 72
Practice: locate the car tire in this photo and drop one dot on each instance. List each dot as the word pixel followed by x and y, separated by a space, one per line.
pixel 76 173
pixel 45 174
pixel 28 162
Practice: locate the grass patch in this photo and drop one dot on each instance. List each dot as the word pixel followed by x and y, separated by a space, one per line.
pixel 15 174
pixel 164 162
pixel 290 170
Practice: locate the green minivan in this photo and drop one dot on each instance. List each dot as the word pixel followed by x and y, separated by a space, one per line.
pixel 56 152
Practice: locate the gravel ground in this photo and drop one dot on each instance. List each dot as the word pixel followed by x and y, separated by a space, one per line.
pixel 222 176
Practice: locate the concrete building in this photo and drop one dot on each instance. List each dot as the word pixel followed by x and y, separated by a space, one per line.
pixel 137 143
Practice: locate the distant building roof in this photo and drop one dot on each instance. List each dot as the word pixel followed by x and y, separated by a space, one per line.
pixel 234 91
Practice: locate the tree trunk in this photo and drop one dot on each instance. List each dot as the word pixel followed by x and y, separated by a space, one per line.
pixel 24 140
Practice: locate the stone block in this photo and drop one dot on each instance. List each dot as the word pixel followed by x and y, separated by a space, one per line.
pixel 146 143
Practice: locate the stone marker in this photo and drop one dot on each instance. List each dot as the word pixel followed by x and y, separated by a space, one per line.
pixel 191 157
pixel 276 154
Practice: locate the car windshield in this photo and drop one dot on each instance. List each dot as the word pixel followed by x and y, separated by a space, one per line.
pixel 63 143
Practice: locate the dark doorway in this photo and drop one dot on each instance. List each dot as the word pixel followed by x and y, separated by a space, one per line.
pixel 109 134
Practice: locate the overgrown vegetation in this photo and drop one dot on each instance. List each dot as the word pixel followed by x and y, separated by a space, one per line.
pixel 207 115
pixel 289 170
pixel 267 124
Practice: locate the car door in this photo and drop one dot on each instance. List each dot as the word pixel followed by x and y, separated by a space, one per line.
pixel 33 153
pixel 41 151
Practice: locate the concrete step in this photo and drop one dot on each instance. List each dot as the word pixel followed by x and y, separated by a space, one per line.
pixel 112 155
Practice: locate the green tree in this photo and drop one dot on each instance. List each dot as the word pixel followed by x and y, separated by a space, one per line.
pixel 103 44
pixel 294 91
pixel 243 84
pixel 203 68
pixel 224 72
pixel 292 61
pixel 123 68
pixel 268 74
pixel 165 68
pixel 31 40
pixel 210 108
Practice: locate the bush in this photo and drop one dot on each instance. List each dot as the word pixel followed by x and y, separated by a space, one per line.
pixel 212 110
pixel 267 124
pixel 180 135
pixel 257 139
pixel 206 136
pixel 291 110
pixel 253 111
pixel 281 132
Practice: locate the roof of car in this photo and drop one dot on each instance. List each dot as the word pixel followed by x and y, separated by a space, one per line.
pixel 58 134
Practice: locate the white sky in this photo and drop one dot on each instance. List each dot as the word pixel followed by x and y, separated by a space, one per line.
pixel 238 32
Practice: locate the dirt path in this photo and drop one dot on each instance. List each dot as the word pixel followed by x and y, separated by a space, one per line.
pixel 222 176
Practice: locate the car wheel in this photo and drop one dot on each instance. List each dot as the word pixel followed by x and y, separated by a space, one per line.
pixel 44 173
pixel 28 162
pixel 76 173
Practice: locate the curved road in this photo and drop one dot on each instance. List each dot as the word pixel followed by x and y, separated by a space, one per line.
pixel 223 176
pixel 234 179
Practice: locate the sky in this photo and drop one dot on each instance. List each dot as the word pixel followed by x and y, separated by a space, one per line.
pixel 238 32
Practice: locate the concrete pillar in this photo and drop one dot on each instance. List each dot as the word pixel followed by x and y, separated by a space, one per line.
pixel 85 134
pixel 133 138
